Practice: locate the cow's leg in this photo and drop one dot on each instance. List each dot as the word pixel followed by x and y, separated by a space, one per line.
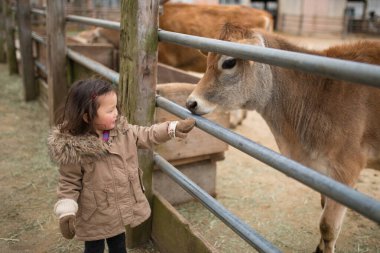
pixel 333 212
pixel 330 225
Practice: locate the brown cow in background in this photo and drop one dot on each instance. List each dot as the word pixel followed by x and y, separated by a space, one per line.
pixel 198 20
pixel 205 21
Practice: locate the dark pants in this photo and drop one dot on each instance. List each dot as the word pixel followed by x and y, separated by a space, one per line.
pixel 115 244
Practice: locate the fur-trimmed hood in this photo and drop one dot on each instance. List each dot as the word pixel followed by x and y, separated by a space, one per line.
pixel 65 148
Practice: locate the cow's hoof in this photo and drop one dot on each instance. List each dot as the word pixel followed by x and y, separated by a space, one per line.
pixel 318 250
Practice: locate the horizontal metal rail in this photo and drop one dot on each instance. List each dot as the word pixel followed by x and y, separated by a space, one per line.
pixel 38 38
pixel 84 20
pixel 353 72
pixel 345 195
pixel 241 228
pixel 94 21
pixel 40 12
pixel 41 67
pixel 95 66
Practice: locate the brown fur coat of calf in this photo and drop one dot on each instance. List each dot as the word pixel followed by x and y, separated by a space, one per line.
pixel 329 125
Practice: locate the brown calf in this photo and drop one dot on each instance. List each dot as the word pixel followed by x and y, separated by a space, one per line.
pixel 329 125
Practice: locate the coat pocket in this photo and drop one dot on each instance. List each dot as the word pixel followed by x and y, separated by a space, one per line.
pixel 136 185
pixel 101 199
pixel 87 204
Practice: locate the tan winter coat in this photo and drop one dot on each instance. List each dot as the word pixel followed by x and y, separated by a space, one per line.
pixel 104 178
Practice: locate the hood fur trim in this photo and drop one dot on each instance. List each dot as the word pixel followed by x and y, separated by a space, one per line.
pixel 65 148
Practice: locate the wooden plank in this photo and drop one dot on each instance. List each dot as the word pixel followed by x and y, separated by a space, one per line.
pixel 173 233
pixel 43 98
pixel 2 32
pixel 10 34
pixel 56 57
pixel 79 72
pixel 26 48
pixel 187 160
pixel 169 74
pixel 137 85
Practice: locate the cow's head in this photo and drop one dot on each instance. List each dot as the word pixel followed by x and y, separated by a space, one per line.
pixel 230 82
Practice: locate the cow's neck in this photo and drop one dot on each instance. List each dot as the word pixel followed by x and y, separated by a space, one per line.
pixel 288 113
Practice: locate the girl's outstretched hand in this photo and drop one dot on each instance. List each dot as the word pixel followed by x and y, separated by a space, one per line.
pixel 183 127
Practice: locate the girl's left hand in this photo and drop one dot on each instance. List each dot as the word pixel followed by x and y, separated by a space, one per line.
pixel 67 226
pixel 183 127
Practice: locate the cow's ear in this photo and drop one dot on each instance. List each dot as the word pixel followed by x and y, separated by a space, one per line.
pixel 257 39
pixel 205 53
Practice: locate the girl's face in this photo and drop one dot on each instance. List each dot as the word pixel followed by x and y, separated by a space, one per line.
pixel 106 113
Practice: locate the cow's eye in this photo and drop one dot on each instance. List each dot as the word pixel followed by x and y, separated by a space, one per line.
pixel 229 64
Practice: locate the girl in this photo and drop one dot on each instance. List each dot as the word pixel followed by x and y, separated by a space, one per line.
pixel 100 189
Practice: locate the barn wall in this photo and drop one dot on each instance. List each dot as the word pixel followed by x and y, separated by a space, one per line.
pixel 307 17
pixel 290 7
pixel 373 5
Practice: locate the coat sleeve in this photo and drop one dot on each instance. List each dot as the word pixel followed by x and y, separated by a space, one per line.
pixel 147 137
pixel 70 181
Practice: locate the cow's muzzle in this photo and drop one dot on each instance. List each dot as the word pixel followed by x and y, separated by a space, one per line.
pixel 192 105
pixel 199 106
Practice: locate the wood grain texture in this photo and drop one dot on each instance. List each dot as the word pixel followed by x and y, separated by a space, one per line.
pixel 56 57
pixel 27 61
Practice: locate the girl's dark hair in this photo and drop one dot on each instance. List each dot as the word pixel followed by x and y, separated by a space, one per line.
pixel 82 99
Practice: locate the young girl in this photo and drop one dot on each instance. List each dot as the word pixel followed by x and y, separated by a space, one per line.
pixel 100 189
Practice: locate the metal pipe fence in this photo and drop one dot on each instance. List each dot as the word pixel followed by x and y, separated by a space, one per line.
pixel 95 66
pixel 41 67
pixel 38 38
pixel 240 228
pixel 41 40
pixel 84 20
pixel 94 21
pixel 353 72
pixel 345 195
pixel 40 12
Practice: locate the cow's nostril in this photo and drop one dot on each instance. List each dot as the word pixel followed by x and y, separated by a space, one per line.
pixel 191 105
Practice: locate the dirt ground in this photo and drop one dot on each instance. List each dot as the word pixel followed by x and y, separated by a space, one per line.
pixel 281 209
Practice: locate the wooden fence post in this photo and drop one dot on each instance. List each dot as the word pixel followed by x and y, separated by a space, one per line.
pixel 10 34
pixel 56 57
pixel 137 85
pixel 2 32
pixel 25 37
